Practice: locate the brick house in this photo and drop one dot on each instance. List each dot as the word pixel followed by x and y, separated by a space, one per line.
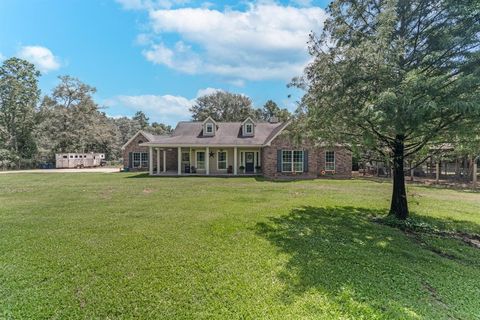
pixel 234 148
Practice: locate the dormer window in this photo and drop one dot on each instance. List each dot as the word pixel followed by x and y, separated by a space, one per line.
pixel 248 127
pixel 209 128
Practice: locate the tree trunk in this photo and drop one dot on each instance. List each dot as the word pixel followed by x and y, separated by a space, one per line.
pixel 399 205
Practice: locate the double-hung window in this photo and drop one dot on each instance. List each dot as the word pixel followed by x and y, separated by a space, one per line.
pixel 144 160
pixel 136 159
pixel 330 161
pixel 222 160
pixel 201 160
pixel 209 128
pixel 140 159
pixel 292 160
pixel 298 161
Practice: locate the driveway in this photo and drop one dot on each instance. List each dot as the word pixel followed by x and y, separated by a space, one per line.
pixel 99 170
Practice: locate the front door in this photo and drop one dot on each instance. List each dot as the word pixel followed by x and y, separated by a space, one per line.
pixel 249 162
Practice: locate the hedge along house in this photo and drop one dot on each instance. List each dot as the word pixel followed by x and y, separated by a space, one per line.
pixel 231 149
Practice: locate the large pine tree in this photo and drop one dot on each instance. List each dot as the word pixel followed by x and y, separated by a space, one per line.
pixel 394 75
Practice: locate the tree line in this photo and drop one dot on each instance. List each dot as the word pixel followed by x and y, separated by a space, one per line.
pixel 34 128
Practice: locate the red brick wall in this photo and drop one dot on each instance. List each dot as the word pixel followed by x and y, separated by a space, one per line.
pixel 316 160
pixel 343 162
pixel 134 147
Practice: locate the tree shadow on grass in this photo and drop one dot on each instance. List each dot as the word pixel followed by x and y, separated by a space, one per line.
pixel 138 175
pixel 363 268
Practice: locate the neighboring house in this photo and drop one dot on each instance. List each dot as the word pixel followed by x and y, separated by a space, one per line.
pixel 233 148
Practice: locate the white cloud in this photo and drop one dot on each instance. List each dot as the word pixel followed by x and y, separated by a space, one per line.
pixel 41 57
pixel 150 4
pixel 143 39
pixel 159 54
pixel 206 91
pixel 165 108
pixel 168 109
pixel 2 57
pixel 267 41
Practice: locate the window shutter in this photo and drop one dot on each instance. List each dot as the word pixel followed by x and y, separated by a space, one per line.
pixel 130 159
pixel 279 160
pixel 305 161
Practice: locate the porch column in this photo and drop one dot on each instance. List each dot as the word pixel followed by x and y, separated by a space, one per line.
pixel 158 160
pixel 164 161
pixel 207 161
pixel 179 161
pixel 235 158
pixel 150 160
pixel 437 171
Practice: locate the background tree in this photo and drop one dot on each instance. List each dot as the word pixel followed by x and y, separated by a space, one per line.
pixel 159 128
pixel 223 106
pixel 141 118
pixel 19 95
pixel 271 109
pixel 127 127
pixel 70 121
pixel 394 75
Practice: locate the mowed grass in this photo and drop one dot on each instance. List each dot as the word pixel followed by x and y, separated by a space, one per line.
pixel 123 246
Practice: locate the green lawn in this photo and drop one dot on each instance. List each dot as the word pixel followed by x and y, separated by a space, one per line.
pixel 128 246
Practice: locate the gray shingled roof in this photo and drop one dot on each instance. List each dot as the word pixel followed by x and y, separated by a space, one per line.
pixel 227 134
pixel 148 135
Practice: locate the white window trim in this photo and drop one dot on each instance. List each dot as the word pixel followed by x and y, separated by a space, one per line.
pixel 209 125
pixel 204 161
pixel 226 159
pixel 334 161
pixel 293 162
pixel 249 125
pixel 245 132
pixel 139 161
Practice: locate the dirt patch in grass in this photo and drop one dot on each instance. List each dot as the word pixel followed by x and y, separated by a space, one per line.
pixel 470 239
pixel 80 298
pixel 147 191
pixel 106 194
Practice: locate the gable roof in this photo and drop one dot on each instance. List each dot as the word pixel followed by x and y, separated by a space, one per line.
pixel 147 136
pixel 227 134
pixel 209 119
pixel 248 120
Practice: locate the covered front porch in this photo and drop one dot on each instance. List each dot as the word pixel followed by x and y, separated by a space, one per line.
pixel 204 161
